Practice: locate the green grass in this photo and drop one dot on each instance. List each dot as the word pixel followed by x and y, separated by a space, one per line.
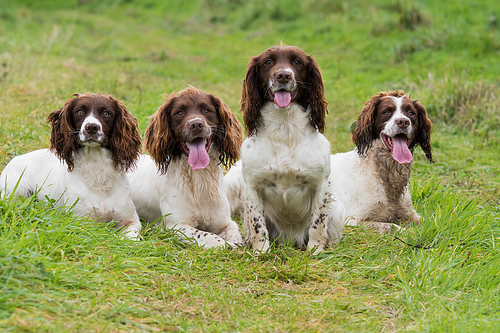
pixel 59 272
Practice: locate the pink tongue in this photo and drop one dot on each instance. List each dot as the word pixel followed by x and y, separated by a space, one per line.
pixel 198 157
pixel 400 151
pixel 282 98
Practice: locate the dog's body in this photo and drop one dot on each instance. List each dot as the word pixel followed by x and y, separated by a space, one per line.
pixel 94 141
pixel 368 197
pixel 233 185
pixel 285 161
pixel 188 137
pixel 371 181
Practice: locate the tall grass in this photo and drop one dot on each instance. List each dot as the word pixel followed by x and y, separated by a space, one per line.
pixel 57 268
pixel 468 104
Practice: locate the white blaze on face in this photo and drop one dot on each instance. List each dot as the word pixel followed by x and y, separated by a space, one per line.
pixel 399 138
pixel 91 119
pixel 391 127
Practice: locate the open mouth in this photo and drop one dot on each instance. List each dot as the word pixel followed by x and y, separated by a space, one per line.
pixel 197 151
pixel 399 147
pixel 389 142
pixel 282 98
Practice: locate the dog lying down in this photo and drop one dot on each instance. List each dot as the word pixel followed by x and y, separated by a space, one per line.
pixel 372 180
pixel 180 182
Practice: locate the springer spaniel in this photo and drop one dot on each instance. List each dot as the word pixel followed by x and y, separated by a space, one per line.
pixel 188 138
pixel 371 181
pixel 94 142
pixel 285 161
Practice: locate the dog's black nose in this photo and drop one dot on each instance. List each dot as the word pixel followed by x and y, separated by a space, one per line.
pixel 91 128
pixel 196 125
pixel 283 76
pixel 403 123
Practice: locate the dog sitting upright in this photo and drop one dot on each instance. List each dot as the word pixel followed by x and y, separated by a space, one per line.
pixel 285 161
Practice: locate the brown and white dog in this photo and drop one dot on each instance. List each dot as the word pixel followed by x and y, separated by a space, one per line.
pixel 94 142
pixel 282 181
pixel 372 180
pixel 180 182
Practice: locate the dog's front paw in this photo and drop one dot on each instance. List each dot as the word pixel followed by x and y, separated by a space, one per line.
pixel 316 248
pixel 233 246
pixel 234 239
pixel 135 236
pixel 261 245
pixel 381 227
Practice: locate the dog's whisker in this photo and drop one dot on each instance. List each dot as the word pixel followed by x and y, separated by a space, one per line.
pixel 218 135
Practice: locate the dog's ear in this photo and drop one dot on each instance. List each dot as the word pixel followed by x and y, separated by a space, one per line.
pixel 251 99
pixel 364 128
pixel 63 136
pixel 125 142
pixel 423 132
pixel 159 140
pixel 229 136
pixel 316 95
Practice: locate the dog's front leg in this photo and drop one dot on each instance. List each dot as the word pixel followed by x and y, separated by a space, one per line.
pixel 177 220
pixel 129 223
pixel 202 238
pixel 231 233
pixel 131 229
pixel 254 221
pixel 318 231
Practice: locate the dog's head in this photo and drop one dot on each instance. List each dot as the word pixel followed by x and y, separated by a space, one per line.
pixel 400 122
pixel 95 120
pixel 283 75
pixel 190 122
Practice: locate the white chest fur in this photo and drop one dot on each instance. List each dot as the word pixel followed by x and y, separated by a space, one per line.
pixel 286 163
pixel 96 183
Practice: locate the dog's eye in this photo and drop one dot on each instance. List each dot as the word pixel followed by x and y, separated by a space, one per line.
pixel 207 111
pixel 386 113
pixel 79 112
pixel 105 113
pixel 268 62
pixel 179 113
pixel 297 62
pixel 411 114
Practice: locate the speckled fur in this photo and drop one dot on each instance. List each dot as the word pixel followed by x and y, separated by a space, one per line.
pixel 286 193
pixel 372 185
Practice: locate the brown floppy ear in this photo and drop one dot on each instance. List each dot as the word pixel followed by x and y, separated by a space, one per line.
pixel 364 129
pixel 251 100
pixel 125 142
pixel 229 136
pixel 316 96
pixel 159 140
pixel 423 133
pixel 63 136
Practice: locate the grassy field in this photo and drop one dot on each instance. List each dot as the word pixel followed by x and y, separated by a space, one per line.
pixel 62 273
